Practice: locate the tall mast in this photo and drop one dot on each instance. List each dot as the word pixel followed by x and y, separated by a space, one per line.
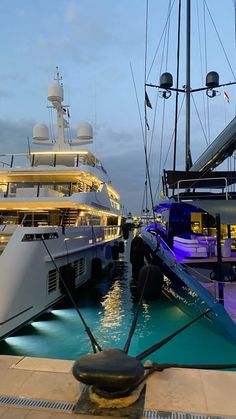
pixel 188 162
pixel 60 113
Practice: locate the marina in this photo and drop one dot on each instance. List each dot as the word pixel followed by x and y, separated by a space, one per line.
pixel 37 363
pixel 106 310
pixel 191 242
pixel 108 306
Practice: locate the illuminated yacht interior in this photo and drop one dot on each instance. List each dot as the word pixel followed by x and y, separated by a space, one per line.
pixel 59 215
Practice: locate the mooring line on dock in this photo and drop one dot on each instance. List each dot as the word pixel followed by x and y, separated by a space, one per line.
pixel 94 343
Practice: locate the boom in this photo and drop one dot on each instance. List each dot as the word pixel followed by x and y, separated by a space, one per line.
pixel 221 148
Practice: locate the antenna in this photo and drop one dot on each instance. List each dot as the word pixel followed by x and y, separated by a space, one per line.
pixel 28 141
pixel 58 77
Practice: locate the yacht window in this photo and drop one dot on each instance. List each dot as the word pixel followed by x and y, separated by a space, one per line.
pixel 38 236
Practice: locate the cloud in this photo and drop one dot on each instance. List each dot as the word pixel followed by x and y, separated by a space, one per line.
pixel 71 15
pixel 116 142
pixel 14 76
pixel 13 136
pixel 91 32
pixel 127 172
pixel 4 93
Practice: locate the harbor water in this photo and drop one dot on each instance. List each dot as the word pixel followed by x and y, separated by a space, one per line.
pixel 108 308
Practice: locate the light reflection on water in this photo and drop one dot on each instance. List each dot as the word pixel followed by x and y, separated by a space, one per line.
pixel 108 307
pixel 112 307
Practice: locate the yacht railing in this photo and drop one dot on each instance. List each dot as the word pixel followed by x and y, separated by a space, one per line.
pixel 50 159
pixel 2 164
pixel 43 189
pixel 202 179
pixel 66 220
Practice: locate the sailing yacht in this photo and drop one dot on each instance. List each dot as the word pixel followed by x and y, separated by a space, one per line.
pixel 195 235
pixel 59 217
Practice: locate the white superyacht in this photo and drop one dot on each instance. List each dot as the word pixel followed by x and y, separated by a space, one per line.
pixel 59 215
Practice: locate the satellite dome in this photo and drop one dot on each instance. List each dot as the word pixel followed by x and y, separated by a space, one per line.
pixel 55 93
pixel 166 81
pixel 85 131
pixel 40 132
pixel 212 79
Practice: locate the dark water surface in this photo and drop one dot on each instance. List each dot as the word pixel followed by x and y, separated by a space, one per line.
pixel 108 308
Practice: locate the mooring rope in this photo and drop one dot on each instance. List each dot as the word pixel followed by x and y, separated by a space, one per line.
pixel 134 323
pixel 158 345
pixel 94 343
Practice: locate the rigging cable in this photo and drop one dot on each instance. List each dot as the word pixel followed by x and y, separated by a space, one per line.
pixel 206 65
pixel 145 148
pixel 167 25
pixel 204 98
pixel 221 43
pixel 166 41
pixel 145 107
pixel 198 115
pixel 171 142
pixel 148 153
pixel 161 146
pixel 162 59
pixel 234 1
pixel 153 131
pixel 93 341
pixel 166 33
pixel 158 46
pixel 177 86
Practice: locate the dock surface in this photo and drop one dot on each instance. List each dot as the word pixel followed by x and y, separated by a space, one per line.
pixel 39 388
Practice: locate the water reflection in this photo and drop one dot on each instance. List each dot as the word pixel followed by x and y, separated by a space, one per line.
pixel 113 313
pixel 112 305
pixel 117 307
pixel 108 307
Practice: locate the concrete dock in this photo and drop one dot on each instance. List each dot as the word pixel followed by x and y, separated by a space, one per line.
pixel 40 388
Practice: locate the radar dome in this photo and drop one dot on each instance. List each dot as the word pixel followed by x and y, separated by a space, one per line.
pixel 40 132
pixel 212 79
pixel 85 131
pixel 55 93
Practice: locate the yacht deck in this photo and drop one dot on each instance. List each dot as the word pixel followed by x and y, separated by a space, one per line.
pixel 207 260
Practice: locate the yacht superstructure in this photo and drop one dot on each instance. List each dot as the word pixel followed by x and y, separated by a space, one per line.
pixel 58 213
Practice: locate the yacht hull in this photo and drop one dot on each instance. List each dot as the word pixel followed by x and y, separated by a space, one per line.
pixel 184 290
pixel 32 263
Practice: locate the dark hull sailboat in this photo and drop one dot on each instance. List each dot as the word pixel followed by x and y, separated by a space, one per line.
pixel 194 297
pixel 196 230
